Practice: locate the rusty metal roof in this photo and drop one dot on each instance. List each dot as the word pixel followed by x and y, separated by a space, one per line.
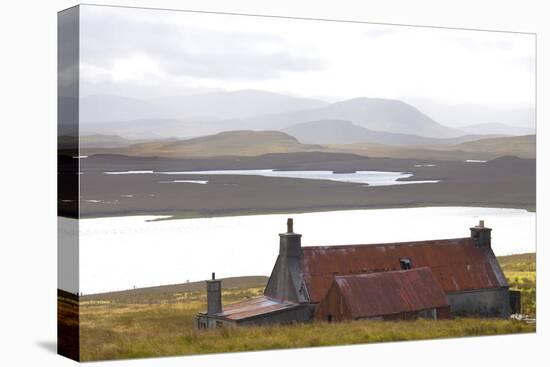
pixel 254 307
pixel 457 264
pixel 394 292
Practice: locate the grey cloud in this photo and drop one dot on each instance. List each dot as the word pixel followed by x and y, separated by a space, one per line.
pixel 188 51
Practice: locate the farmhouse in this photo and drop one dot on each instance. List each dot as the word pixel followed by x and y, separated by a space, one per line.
pixel 433 279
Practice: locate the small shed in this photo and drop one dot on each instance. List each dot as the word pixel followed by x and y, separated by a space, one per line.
pixel 255 311
pixel 404 294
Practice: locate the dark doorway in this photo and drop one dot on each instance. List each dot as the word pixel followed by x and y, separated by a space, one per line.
pixel 515 302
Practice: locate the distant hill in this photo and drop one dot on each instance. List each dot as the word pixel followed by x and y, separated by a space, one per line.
pixel 496 128
pixel 150 295
pixel 233 105
pixel 114 141
pixel 519 146
pixel 153 128
pixel 384 115
pixel 345 132
pixel 104 141
pixel 483 149
pixel 231 143
pixel 458 115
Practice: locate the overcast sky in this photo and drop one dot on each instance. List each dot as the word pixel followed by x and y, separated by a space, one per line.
pixel 150 53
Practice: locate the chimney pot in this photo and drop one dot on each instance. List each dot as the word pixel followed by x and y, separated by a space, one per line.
pixel 481 234
pixel 289 225
pixel 213 276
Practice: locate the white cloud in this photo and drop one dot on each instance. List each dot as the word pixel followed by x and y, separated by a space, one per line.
pixel 136 67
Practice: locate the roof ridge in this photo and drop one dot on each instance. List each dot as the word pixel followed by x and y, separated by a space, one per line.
pixel 336 247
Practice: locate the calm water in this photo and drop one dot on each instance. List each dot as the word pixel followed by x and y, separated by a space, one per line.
pixel 372 178
pixel 122 252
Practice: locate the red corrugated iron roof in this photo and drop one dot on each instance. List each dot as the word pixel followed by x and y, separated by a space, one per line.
pixel 254 307
pixel 457 264
pixel 394 292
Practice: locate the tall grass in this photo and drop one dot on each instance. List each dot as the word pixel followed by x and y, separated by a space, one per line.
pixel 520 271
pixel 130 331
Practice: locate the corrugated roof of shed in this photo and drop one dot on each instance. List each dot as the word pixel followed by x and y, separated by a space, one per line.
pixel 254 307
pixel 457 264
pixel 378 294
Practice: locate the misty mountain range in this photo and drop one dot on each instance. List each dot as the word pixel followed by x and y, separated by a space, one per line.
pixel 464 116
pixel 311 121
pixel 346 132
pixel 204 107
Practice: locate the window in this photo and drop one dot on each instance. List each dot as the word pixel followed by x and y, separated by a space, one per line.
pixel 405 263
pixel 329 318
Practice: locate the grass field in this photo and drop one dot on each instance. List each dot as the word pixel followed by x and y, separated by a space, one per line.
pixel 159 322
